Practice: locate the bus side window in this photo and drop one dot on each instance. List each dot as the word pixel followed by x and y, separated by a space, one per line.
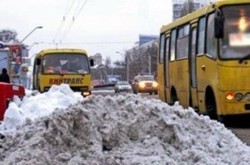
pixel 182 42
pixel 201 35
pixel 172 45
pixel 161 55
pixel 211 40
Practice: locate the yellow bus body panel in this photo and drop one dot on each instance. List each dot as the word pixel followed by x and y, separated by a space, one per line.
pixel 233 78
pixel 207 76
pixel 71 80
pixel 179 80
pixel 77 82
pixel 222 77
pixel 160 79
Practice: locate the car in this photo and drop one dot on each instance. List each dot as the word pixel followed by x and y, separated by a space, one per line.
pixel 122 86
pixel 145 84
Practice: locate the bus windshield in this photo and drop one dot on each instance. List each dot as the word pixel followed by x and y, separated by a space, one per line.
pixel 65 63
pixel 236 41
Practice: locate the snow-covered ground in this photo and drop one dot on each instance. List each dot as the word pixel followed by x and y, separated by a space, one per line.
pixel 60 127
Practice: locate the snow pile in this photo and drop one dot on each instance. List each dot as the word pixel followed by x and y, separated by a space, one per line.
pixel 122 130
pixel 41 105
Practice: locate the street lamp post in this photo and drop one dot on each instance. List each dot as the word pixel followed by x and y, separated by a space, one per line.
pixel 127 62
pixel 23 77
pixel 38 27
pixel 149 63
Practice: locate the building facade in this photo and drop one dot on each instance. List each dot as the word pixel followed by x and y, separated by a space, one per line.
pixel 179 5
pixel 143 39
pixel 97 58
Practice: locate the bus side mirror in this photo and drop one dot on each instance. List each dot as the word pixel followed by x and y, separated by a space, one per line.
pixel 91 62
pixel 38 61
pixel 218 25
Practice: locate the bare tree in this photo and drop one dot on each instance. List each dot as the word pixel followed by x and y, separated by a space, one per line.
pixel 139 59
pixel 136 61
pixel 7 35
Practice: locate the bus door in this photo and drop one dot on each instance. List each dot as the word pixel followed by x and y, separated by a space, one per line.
pixel 36 71
pixel 166 68
pixel 193 100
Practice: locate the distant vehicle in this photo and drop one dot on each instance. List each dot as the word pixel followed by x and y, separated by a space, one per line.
pixel 145 84
pixel 68 66
pixel 122 86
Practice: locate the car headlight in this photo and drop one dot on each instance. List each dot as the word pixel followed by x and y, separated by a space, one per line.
pixel 142 84
pixel 155 84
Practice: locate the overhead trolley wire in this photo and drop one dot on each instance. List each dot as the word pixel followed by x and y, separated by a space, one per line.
pixel 69 9
pixel 78 6
pixel 79 11
pixel 65 16
pixel 74 17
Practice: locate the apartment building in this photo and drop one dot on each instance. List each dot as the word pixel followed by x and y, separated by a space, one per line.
pixel 178 6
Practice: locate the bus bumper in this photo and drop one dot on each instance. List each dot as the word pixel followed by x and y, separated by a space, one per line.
pixel 236 109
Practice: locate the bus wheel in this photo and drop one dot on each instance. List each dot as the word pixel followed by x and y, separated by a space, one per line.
pixel 211 105
pixel 173 97
pixel 39 89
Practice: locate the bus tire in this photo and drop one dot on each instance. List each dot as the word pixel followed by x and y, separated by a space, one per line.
pixel 174 97
pixel 210 104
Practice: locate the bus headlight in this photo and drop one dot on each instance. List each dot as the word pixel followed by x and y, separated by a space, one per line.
pixel 247 96
pixel 230 96
pixel 238 96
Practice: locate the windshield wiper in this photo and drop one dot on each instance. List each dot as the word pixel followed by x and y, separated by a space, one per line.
pixel 244 58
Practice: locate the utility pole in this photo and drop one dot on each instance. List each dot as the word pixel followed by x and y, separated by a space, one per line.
pixel 127 61
pixel 149 64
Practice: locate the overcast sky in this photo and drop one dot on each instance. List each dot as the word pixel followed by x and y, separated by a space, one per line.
pixel 98 26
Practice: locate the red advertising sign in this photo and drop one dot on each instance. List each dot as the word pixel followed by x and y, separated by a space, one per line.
pixel 16 53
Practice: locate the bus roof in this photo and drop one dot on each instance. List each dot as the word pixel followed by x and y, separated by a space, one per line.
pixel 61 50
pixel 200 12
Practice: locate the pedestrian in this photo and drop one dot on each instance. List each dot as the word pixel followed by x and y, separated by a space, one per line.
pixel 4 77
